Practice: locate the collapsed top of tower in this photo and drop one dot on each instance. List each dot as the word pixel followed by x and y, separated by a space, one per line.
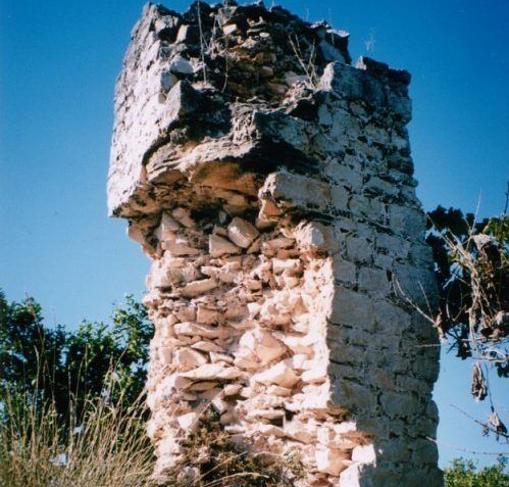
pixel 230 83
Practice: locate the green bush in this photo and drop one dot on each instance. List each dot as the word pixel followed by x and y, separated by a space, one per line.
pixel 465 473
pixel 69 367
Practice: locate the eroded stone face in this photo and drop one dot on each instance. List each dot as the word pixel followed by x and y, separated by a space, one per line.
pixel 278 209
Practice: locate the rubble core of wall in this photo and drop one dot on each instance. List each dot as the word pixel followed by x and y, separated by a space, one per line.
pixel 270 183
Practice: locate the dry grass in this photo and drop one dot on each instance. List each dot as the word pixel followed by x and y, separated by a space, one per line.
pixel 107 447
pixel 214 459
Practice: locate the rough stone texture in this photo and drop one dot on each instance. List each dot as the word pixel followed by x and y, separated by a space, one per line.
pixel 278 209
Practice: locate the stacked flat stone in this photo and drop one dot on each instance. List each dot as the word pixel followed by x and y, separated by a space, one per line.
pixel 270 183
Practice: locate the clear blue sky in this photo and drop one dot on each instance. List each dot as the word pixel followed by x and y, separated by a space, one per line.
pixel 58 63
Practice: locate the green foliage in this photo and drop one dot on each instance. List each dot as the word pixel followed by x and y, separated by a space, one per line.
pixel 68 367
pixel 465 473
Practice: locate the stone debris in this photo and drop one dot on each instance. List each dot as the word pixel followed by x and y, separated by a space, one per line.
pixel 277 207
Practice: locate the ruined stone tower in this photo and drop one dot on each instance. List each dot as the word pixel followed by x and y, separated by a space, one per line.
pixel 270 182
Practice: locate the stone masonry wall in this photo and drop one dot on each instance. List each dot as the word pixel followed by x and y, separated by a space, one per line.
pixel 270 183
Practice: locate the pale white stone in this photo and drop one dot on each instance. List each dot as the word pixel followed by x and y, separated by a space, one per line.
pixel 301 431
pixel 219 246
pixel 207 346
pixel 165 355
pixel 279 374
pixel 167 229
pixel 263 345
pixel 221 357
pixel 179 246
pixel 188 421
pixel 298 361
pixel 364 454
pixel 279 391
pixel 194 329
pixel 183 216
pixel 180 65
pixel 290 266
pixel 351 476
pixel 196 288
pixel 317 374
pixel 241 232
pixel 187 358
pixel 331 461
pixel 212 371
pixel 232 389
pixel 206 315
pixel 230 29
pixel 220 405
pixel 168 447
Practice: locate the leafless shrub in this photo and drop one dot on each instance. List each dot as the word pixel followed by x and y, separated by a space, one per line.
pixel 309 65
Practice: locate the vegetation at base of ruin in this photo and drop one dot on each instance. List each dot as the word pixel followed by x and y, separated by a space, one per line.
pixel 213 458
pixel 104 444
pixel 465 473
pixel 72 409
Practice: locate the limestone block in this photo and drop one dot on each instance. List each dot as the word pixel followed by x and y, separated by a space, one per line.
pixel 279 374
pixel 331 460
pixel 179 247
pixel 196 288
pixel 407 221
pixel 352 308
pixel 297 191
pixel 212 371
pixel 187 359
pixel 241 232
pixel 194 329
pixel 375 281
pixel 393 245
pixel 359 249
pixel 180 66
pixel 344 79
pixel 263 345
pixel 219 246
pixel 344 270
pixel 167 229
pixel 315 237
